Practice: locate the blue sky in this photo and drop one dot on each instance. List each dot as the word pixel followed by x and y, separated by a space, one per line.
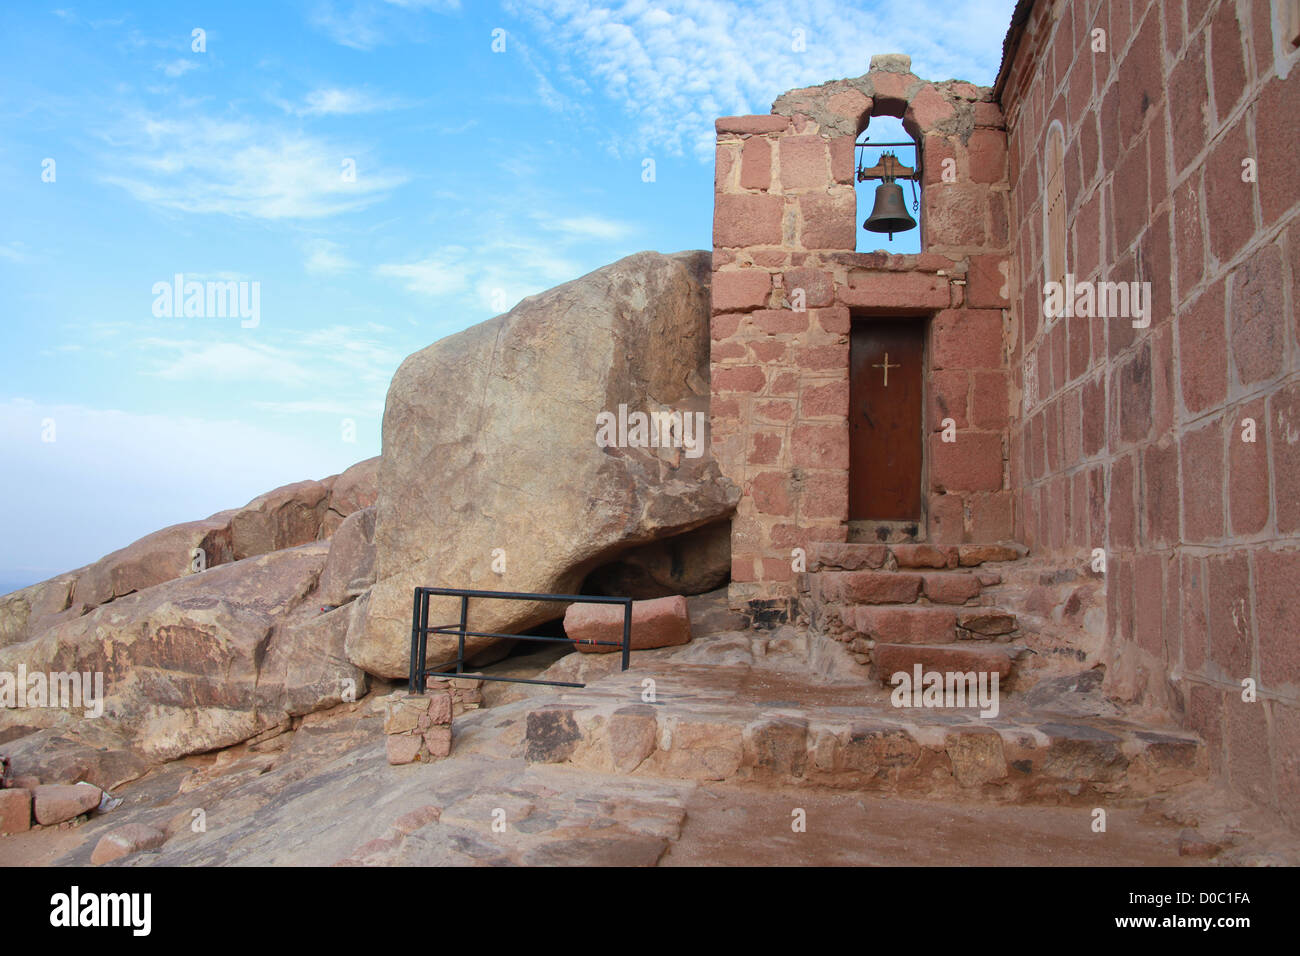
pixel 481 176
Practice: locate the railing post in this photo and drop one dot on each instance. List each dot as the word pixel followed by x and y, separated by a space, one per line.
pixel 627 633
pixel 415 623
pixel 424 642
pixel 464 621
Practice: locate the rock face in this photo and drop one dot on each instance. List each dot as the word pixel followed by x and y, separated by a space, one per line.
pixel 492 477
pixel 206 660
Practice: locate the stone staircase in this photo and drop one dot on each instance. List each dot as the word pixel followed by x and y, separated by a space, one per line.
pixel 894 606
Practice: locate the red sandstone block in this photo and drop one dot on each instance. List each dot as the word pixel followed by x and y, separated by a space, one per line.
pixel 924 556
pixel 804 162
pixel 850 104
pixel 786 384
pixel 724 159
pixel 750 219
pixel 1231 612
pixel 845 556
pixel 764 448
pixel 1278 145
pixel 126 839
pixel 756 164
pixel 906 625
pixel 724 351
pixel 821 446
pixel 896 290
pixel 991 516
pixel 829 222
pixel 843 159
pixel 874 587
pixel 1160 492
pixel 55 803
pixel 781 321
pixel 946 518
pixel 740 290
pixel 1248 484
pixel 1276 575
pixel 1283 426
pixel 1202 463
pixel 989 114
pixel 820 358
pixel 1246 740
pixel 723 327
pixel 767 351
pixel 1123 528
pixel 776 411
pixel 777 569
pixel 987 282
pixel 771 493
pixel 1202 348
pixel 1227 66
pixel 972 463
pixel 739 378
pixel 835 321
pixel 929 107
pixel 724 408
pixel 1259 315
pixel 1229 202
pixel 956 588
pixel 955 213
pixel 659 622
pixel 990 404
pixel 817 285
pixel 742 569
pixel 825 495
pixel 988 156
pixel 15 810
pixel 751 124
pixel 822 401
pixel 948 393
pixel 967 338
pixel 891 659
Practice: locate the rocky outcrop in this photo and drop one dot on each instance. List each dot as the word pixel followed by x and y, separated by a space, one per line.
pixel 350 569
pixel 289 516
pixel 204 661
pixel 492 476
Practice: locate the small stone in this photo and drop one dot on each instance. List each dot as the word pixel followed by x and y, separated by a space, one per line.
pixel 403 748
pixel 15 810
pixel 125 840
pixel 438 741
pixel 54 803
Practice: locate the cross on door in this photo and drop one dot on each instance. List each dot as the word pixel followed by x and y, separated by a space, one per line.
pixel 886 366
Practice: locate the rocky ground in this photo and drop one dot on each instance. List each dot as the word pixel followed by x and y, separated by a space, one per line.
pixel 322 792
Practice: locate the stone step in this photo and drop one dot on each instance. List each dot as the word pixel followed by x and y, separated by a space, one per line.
pixel 857 556
pixel 921 624
pixel 895 587
pixel 726 724
pixel 965 656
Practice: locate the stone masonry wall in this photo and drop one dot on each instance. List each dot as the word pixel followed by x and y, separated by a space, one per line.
pixel 785 219
pixel 1131 439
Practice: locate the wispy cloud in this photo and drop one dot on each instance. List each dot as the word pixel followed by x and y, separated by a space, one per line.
pixel 366 24
pixel 325 257
pixel 178 67
pixel 196 164
pixel 333 101
pixel 677 65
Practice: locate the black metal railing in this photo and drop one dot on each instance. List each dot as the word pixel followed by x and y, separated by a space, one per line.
pixel 421 629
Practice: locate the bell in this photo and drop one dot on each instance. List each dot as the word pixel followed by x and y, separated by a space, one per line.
pixel 890 211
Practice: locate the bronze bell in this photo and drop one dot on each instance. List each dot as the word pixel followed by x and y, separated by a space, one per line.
pixel 890 211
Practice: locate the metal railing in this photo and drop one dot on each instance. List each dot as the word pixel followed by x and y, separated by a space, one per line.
pixel 421 629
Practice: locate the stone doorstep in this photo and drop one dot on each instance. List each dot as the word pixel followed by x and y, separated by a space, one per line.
pixel 953 587
pixel 859 556
pixel 1017 756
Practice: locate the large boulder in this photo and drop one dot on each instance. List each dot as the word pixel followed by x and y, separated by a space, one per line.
pixel 354 490
pixel 492 476
pixel 203 661
pixel 350 569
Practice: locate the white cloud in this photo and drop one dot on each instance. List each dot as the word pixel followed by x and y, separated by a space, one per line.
pixel 225 362
pixel 675 67
pixel 196 164
pixel 326 258
pixel 591 227
pixel 366 24
pixel 177 67
pixel 340 102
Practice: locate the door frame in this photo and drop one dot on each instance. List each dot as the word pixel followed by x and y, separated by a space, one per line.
pixel 881 531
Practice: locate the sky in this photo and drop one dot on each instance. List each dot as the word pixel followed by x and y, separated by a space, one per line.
pixel 370 176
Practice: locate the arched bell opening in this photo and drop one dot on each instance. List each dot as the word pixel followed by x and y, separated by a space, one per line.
pixel 887 179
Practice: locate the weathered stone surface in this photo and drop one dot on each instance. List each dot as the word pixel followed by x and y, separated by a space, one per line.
pixel 15 810
pixel 692 563
pixel 125 840
pixel 551 735
pixel 53 803
pixel 889 659
pixel 977 757
pixel 284 518
pixel 354 490
pixel 490 443
pixel 971 555
pixel 659 622
pixel 350 568
pixel 204 661
pixel 989 622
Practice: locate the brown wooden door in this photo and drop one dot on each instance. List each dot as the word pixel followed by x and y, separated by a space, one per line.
pixel 885 406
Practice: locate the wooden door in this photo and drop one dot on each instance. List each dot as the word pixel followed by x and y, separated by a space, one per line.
pixel 885 419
